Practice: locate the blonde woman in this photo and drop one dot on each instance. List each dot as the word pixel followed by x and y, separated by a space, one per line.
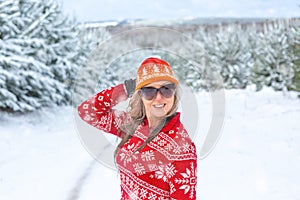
pixel 156 158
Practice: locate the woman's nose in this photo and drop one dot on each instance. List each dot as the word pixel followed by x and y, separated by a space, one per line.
pixel 158 96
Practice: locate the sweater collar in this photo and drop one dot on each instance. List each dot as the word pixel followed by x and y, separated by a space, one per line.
pixel 172 122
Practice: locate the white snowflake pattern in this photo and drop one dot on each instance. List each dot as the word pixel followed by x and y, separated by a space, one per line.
pixel 139 169
pixel 103 120
pixel 159 173
pixel 165 171
pixel 184 133
pixel 170 170
pixel 186 147
pixel 136 189
pixel 143 193
pixel 168 147
pixel 126 153
pixel 161 142
pixel 177 149
pixel 104 123
pixel 148 155
pixel 152 196
pixel 188 181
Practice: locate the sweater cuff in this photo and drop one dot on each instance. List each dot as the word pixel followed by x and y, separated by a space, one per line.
pixel 119 94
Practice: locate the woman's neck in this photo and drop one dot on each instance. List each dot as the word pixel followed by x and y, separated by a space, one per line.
pixel 154 122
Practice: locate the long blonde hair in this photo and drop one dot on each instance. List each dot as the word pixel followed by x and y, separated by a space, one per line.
pixel 137 114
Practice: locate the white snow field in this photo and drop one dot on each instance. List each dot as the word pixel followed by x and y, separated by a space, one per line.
pixel 256 158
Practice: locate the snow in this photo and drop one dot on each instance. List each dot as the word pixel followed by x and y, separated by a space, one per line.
pixel 257 157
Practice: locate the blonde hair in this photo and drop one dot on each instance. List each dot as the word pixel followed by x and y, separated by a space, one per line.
pixel 137 114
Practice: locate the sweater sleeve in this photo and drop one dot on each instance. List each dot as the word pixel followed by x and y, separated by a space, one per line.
pixel 98 110
pixel 183 183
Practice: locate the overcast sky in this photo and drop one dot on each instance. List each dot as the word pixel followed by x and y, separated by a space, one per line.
pixel 98 10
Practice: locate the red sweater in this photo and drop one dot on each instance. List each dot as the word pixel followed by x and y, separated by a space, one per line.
pixel 166 168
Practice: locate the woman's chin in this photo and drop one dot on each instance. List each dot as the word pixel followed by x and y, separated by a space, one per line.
pixel 159 114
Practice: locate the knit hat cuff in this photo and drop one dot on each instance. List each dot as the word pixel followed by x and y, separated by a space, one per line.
pixel 153 78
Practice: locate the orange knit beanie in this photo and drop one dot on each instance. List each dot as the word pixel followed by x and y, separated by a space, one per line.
pixel 154 69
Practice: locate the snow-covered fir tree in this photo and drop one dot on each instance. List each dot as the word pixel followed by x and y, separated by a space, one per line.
pixel 39 55
pixel 90 40
pixel 228 53
pixel 295 48
pixel 273 58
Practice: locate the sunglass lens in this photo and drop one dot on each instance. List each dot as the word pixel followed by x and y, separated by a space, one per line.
pixel 167 91
pixel 149 92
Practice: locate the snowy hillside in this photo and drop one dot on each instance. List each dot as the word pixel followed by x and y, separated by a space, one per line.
pixel 257 157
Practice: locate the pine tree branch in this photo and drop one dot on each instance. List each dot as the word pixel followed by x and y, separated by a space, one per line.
pixel 36 23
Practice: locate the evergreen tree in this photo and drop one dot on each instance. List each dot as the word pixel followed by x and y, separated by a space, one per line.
pixel 273 58
pixel 39 55
pixel 295 48
pixel 227 53
pixel 90 38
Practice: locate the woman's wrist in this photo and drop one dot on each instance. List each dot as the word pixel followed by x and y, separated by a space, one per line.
pixel 129 86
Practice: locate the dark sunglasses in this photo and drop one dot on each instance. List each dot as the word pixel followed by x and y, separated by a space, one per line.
pixel 166 90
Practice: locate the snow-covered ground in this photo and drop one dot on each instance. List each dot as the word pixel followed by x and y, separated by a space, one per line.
pixel 256 158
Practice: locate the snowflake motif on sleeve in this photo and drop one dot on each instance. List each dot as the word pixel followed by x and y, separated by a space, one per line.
pixel 143 193
pixel 159 174
pixel 164 172
pixel 188 181
pixel 177 149
pixel 170 170
pixel 127 155
pixel 136 189
pixel 148 155
pixel 152 196
pixel 168 147
pixel 186 147
pixel 184 133
pixel 139 169
pixel 104 123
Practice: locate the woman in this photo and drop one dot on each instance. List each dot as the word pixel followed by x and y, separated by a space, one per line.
pixel 156 158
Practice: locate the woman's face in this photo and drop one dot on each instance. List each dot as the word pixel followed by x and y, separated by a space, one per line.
pixel 159 106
